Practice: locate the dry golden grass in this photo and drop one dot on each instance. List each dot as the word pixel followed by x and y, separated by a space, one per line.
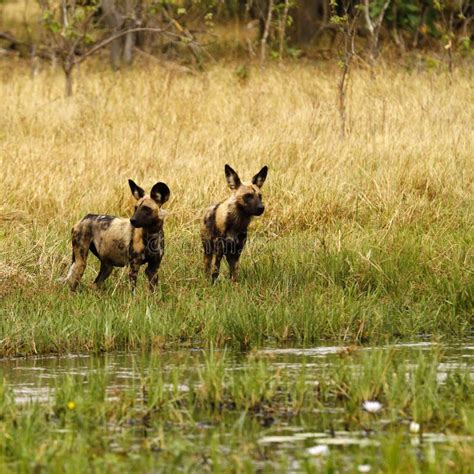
pixel 359 236
pixel 410 144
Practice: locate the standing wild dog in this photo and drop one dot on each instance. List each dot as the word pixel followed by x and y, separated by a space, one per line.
pixel 224 230
pixel 117 241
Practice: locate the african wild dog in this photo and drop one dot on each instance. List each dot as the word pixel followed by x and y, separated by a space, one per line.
pixel 224 230
pixel 117 241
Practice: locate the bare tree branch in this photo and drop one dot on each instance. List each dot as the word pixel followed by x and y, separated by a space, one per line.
pixel 108 40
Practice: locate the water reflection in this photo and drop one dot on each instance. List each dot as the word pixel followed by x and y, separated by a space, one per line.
pixel 33 379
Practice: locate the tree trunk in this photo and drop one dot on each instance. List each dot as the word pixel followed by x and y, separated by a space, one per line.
pixel 68 76
pixel 308 19
pixel 114 21
pixel 129 43
pixel 282 32
pixel 424 11
pixel 263 43
pixel 398 38
pixel 129 40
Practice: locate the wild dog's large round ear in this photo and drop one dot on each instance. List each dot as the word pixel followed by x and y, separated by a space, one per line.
pixel 137 191
pixel 233 180
pixel 260 177
pixel 160 193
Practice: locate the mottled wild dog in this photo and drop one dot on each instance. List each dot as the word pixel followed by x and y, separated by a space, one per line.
pixel 117 241
pixel 224 230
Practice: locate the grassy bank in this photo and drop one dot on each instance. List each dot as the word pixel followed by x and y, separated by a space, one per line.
pixel 223 415
pixel 364 239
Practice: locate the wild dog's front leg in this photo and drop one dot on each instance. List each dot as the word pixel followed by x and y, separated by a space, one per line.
pixel 133 274
pixel 152 274
pixel 233 255
pixel 233 261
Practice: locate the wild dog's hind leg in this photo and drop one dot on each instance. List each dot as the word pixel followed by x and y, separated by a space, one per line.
pixel 133 274
pixel 207 263
pixel 207 246
pixel 81 240
pixel 104 273
pixel 216 264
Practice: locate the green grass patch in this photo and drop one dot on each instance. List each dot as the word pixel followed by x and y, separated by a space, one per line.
pixel 299 288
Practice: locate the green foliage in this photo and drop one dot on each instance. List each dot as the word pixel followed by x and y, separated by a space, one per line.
pixel 70 25
pixel 339 20
pixel 466 44
pixel 294 53
pixel 50 22
pixel 376 7
pixel 242 72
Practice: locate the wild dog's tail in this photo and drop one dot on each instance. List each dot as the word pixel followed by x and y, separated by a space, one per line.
pixel 71 268
pixel 73 256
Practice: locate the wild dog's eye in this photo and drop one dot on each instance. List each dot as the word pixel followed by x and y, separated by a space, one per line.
pixel 146 209
pixel 248 197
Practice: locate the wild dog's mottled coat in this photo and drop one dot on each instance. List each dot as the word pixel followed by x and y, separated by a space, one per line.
pixel 117 241
pixel 224 229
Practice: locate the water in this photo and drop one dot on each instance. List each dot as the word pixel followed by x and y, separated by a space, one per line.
pixel 35 379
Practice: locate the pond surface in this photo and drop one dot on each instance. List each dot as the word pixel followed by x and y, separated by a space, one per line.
pixel 35 379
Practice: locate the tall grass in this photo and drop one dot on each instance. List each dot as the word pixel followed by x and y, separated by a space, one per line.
pixel 363 239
